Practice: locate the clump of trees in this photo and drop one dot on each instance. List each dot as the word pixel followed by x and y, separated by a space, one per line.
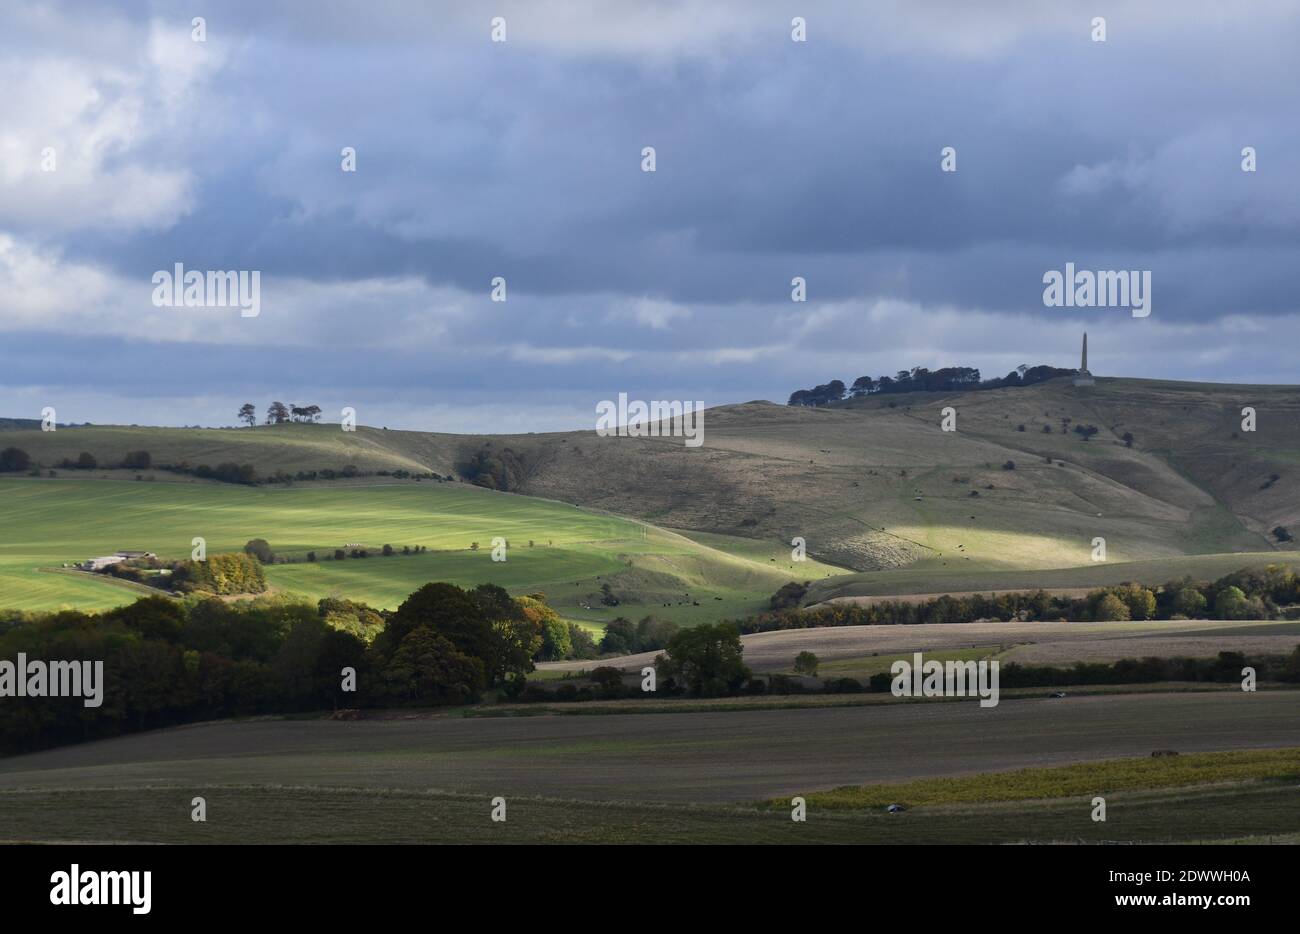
pixel 920 379
pixel 485 626
pixel 362 621
pixel 824 394
pixel 623 637
pixel 85 461
pixel 219 574
pixel 497 469
pixel 277 413
pixel 790 595
pixel 705 660
pixel 560 639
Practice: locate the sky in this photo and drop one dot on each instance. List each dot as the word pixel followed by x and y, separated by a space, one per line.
pixel 523 160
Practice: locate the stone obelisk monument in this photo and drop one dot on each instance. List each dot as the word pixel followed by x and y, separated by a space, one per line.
pixel 1081 376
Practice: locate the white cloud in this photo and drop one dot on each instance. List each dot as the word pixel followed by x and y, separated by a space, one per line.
pixel 110 123
pixel 529 353
pixel 657 314
pixel 41 290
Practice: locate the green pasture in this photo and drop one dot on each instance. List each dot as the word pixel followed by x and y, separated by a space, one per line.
pixel 562 550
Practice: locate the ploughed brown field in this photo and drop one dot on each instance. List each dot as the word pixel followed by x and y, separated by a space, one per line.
pixel 736 756
pixel 1037 642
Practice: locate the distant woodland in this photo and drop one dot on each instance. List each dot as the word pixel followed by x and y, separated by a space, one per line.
pixel 919 379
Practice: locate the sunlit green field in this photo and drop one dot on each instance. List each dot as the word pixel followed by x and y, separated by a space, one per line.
pixel 1083 779
pixel 52 522
pixel 925 577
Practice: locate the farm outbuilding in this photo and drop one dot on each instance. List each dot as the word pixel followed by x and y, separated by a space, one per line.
pixel 98 564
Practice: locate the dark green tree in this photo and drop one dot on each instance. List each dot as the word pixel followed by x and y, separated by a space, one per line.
pixel 706 659
pixel 13 459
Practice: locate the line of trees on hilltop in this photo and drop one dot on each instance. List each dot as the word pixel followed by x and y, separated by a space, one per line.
pixel 920 379
pixel 1269 592
pixel 277 413
pixel 169 661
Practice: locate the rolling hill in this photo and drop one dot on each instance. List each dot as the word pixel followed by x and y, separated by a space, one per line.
pixel 564 551
pixel 873 485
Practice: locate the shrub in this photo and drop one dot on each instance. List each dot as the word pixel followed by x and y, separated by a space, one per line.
pixel 1110 608
pixel 1189 602
pixel 843 686
pixel 608 680
pixel 788 596
pixel 582 645
pixel 14 459
pixel 805 663
pixel 259 549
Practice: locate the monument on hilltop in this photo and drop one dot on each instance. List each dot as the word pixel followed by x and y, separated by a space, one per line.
pixel 1081 376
